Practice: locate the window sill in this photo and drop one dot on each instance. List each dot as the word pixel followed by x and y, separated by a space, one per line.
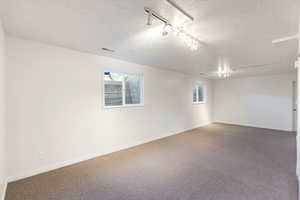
pixel 202 102
pixel 124 106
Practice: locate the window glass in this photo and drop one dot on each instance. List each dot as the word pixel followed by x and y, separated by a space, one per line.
pixel 132 89
pixel 195 94
pixel 200 94
pixel 113 89
pixel 121 89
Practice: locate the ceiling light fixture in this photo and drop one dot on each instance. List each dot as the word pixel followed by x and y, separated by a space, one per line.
pixel 149 21
pixel 107 49
pixel 177 7
pixel 191 41
pixel 167 29
pixel 152 13
pixel 240 69
pixel 224 71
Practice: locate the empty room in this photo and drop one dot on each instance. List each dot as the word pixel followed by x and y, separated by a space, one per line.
pixel 149 99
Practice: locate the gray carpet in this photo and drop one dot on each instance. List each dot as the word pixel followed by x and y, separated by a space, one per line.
pixel 216 162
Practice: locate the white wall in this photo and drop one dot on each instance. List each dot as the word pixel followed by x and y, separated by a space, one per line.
pixel 55 107
pixel 2 112
pixel 261 101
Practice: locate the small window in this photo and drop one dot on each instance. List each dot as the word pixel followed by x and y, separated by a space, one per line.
pixel 121 89
pixel 199 94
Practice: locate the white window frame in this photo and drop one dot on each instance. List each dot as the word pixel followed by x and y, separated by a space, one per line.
pixel 123 90
pixel 197 94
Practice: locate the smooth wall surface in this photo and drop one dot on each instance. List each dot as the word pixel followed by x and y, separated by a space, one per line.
pixel 262 101
pixel 55 107
pixel 2 111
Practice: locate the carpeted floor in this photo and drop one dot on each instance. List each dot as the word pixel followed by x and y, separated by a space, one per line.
pixel 216 162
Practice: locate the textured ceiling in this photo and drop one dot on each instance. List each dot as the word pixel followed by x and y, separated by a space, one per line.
pixel 239 31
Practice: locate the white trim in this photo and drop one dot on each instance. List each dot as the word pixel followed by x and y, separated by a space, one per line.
pixel 298 180
pixel 90 156
pixel 200 102
pixel 4 190
pixel 298 161
pixel 124 106
pixel 292 37
pixel 298 183
pixel 123 92
pixel 251 125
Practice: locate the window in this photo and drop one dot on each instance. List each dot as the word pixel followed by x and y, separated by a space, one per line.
pixel 199 94
pixel 121 89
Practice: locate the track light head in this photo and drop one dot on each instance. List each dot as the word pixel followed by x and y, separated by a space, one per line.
pixel 189 40
pixel 167 29
pixel 149 21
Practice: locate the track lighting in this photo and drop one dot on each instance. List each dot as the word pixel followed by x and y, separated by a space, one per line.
pixel 188 39
pixel 224 72
pixel 177 30
pixel 177 7
pixel 107 49
pixel 167 29
pixel 149 21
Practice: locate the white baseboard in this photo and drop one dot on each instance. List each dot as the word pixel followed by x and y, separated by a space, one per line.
pixel 90 156
pixel 251 125
pixel 298 180
pixel 4 185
